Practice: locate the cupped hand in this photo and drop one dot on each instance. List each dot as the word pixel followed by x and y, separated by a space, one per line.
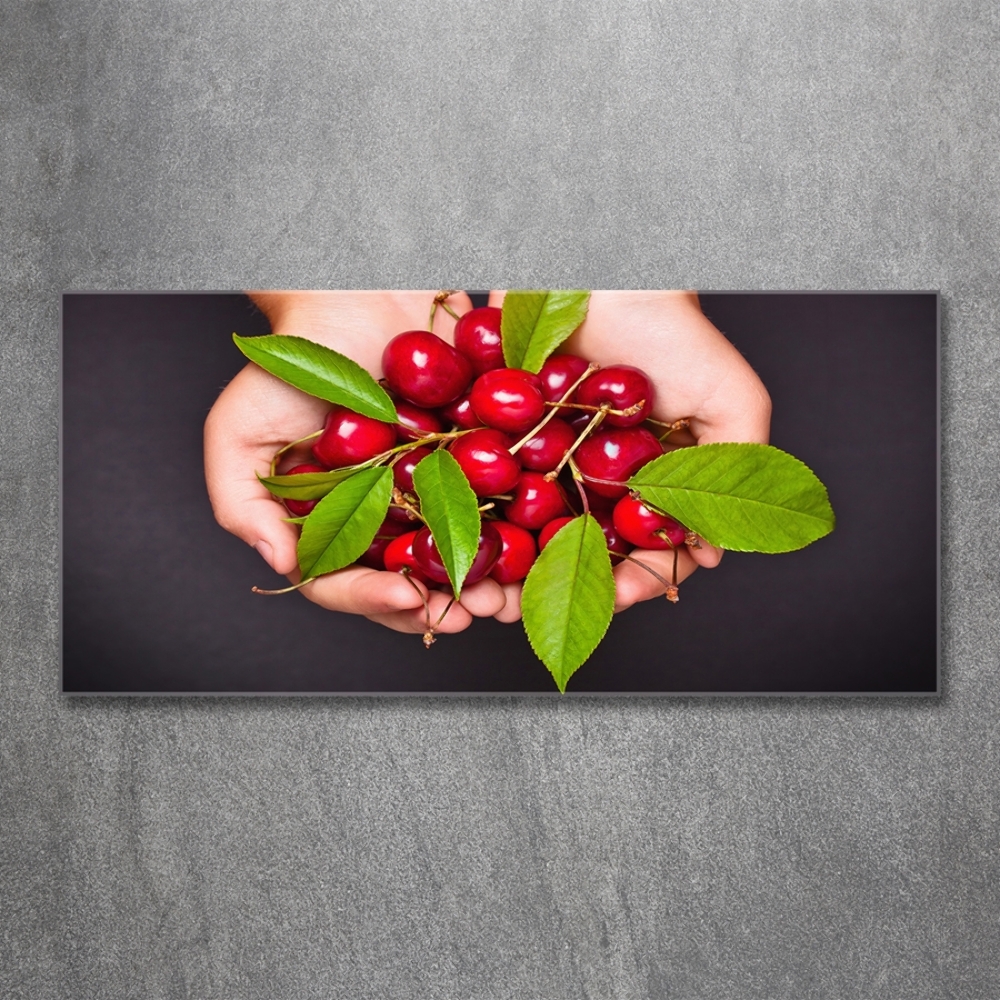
pixel 257 414
pixel 697 374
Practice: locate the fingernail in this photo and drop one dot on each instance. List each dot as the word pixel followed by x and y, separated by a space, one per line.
pixel 266 552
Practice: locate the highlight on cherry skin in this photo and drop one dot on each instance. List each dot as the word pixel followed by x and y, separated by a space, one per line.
pixel 349 438
pixel 477 336
pixel 512 433
pixel 645 527
pixel 508 399
pixel 424 369
pixel 467 391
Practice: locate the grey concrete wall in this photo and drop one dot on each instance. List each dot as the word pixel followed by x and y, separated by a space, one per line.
pixel 383 849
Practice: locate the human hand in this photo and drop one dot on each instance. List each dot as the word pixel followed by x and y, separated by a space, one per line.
pixel 696 373
pixel 257 414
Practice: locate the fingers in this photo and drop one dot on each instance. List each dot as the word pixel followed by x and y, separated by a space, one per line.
pixel 481 600
pixel 739 409
pixel 708 556
pixel 239 443
pixel 484 599
pixel 634 584
pixel 456 618
pixel 358 590
pixel 511 611
pixel 392 600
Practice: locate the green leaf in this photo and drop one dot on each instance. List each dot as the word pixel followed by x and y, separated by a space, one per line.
pixel 744 497
pixel 534 324
pixel 569 597
pixel 343 524
pixel 321 372
pixel 452 513
pixel 308 485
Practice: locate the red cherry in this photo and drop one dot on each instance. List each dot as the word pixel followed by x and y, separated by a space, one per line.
pixel 578 423
pixel 402 471
pixel 559 373
pixel 485 458
pixel 428 559
pixel 399 555
pixel 349 438
pixel 402 478
pixel 461 414
pixel 416 423
pixel 598 502
pixel 424 369
pixel 620 386
pixel 373 556
pixel 545 450
pixel 517 555
pixel 545 535
pixel 536 501
pixel 300 508
pixel 490 547
pixel 403 516
pixel 637 523
pixel 477 336
pixel 615 454
pixel 615 542
pixel 508 399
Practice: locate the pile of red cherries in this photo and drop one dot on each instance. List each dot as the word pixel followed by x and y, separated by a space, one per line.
pixel 466 399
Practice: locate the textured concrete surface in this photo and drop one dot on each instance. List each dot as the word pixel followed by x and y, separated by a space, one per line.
pixel 383 849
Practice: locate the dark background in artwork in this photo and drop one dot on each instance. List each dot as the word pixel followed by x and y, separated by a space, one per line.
pixel 157 596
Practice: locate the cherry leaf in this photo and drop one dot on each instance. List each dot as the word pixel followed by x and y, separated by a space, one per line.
pixel 534 324
pixel 744 497
pixel 308 485
pixel 569 597
pixel 343 524
pixel 451 511
pixel 321 372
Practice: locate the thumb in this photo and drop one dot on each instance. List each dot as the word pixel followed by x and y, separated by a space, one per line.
pixel 242 506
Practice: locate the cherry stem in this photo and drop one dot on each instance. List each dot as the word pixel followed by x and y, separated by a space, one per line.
pixel 648 569
pixel 287 447
pixel 672 592
pixel 429 637
pixel 671 589
pixel 584 434
pixel 399 500
pixel 678 425
pixel 630 411
pixel 578 480
pixel 606 482
pixel 405 572
pixel 487 506
pixel 284 590
pixel 439 300
pixel 554 409
pixel 441 617
pixel 410 445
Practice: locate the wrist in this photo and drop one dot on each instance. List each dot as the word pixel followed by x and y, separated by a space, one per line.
pixel 285 308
